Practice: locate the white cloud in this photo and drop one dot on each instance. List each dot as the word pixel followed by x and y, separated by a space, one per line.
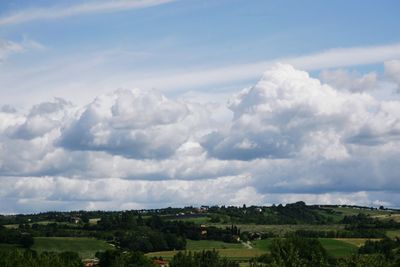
pixel 351 81
pixel 41 119
pixel 133 123
pixel 333 58
pixel 97 72
pixel 8 48
pixel 288 113
pixel 287 138
pixel 115 193
pixel 392 72
pixel 91 7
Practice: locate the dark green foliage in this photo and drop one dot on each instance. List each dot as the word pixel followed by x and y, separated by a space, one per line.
pixel 365 261
pixel 32 259
pixel 26 240
pixel 297 251
pixel 296 213
pixel 386 247
pixel 114 258
pixel 201 259
pixel 15 236
pixel 356 233
pixel 363 221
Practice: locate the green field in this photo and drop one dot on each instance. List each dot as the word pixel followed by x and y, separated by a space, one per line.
pixel 9 247
pixel 234 251
pixel 94 220
pixel 346 211
pixel 15 226
pixel 210 244
pixel 358 242
pixel 198 220
pixel 263 244
pixel 393 233
pixel 338 248
pixel 334 247
pixel 281 230
pixel 231 253
pixel 86 247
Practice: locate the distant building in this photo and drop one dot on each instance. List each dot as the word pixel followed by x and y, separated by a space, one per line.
pixel 91 262
pixel 161 263
pixel 75 219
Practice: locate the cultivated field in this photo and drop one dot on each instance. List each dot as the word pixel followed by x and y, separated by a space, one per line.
pixel 335 247
pixel 86 247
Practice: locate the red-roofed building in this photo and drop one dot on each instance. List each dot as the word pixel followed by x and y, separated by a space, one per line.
pixel 161 263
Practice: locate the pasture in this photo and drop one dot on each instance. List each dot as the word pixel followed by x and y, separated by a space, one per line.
pixel 335 248
pixel 85 247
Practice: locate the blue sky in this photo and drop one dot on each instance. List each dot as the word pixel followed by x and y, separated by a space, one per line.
pixel 63 63
pixel 187 35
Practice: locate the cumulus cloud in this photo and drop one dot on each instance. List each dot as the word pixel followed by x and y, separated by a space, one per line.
pixel 392 71
pixel 41 119
pixel 288 114
pixel 133 123
pixel 350 81
pixel 288 138
pixel 118 193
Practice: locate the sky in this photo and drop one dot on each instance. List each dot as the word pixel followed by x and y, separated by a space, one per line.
pixel 128 104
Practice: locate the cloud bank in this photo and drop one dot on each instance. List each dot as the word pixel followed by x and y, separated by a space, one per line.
pixel 289 137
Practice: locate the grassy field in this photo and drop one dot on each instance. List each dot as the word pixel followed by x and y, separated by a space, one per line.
pixel 389 216
pixel 229 250
pixel 15 226
pixel 262 244
pixel 198 220
pixel 231 253
pixel 210 244
pixel 334 247
pixel 9 247
pixel 94 220
pixel 86 247
pixel 354 211
pixel 393 233
pixel 281 230
pixel 358 242
pixel 338 248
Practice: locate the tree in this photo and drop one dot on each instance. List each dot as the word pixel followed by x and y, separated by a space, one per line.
pixel 26 240
pixel 298 252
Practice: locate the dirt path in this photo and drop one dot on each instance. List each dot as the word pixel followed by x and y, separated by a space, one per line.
pixel 247 244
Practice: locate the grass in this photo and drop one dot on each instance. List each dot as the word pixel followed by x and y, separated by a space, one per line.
pixel 197 220
pixel 335 247
pixel 263 244
pixel 389 216
pixel 354 211
pixel 15 226
pixel 234 251
pixel 85 247
pixel 338 248
pixel 94 220
pixel 9 247
pixel 393 233
pixel 281 230
pixel 231 253
pixel 210 244
pixel 358 242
